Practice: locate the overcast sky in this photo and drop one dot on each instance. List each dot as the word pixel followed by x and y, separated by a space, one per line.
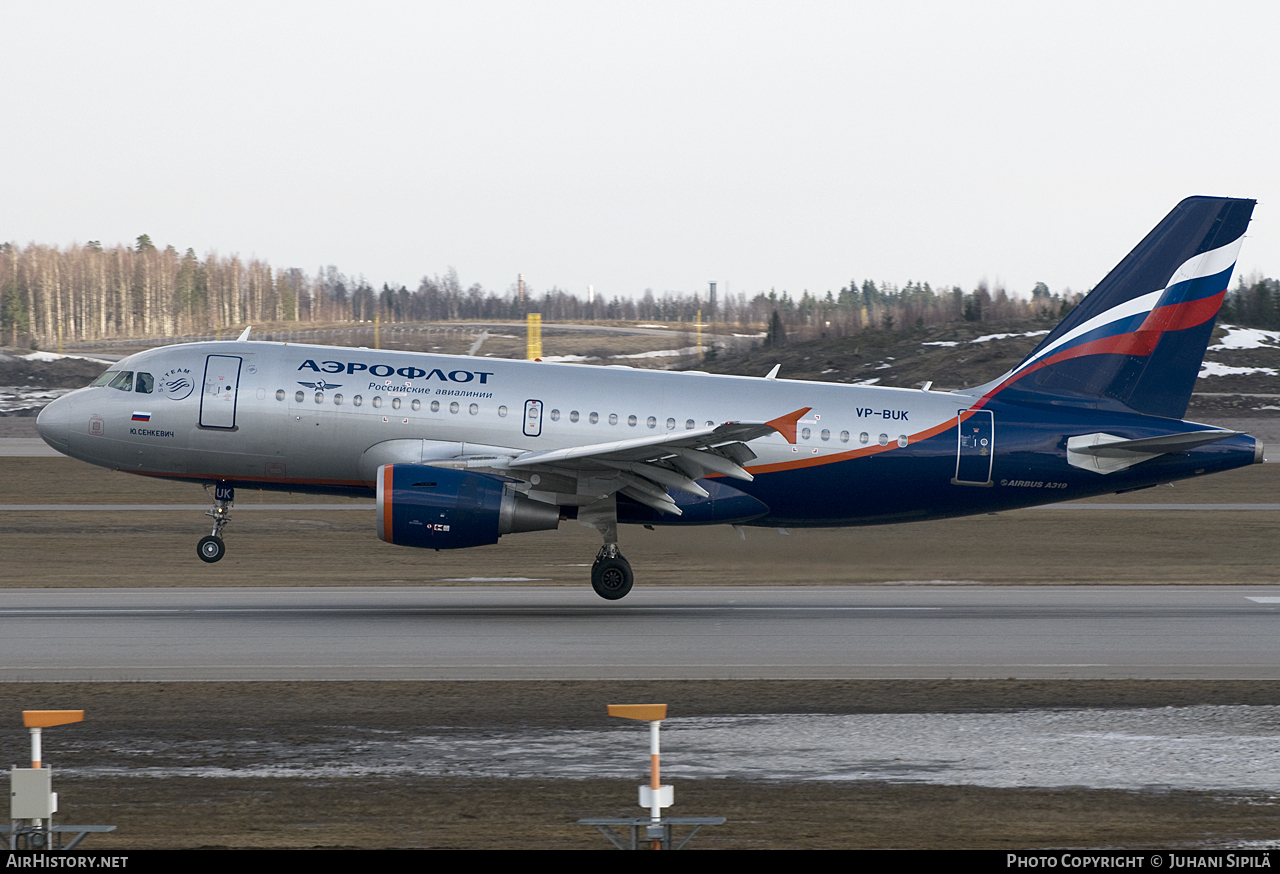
pixel 641 145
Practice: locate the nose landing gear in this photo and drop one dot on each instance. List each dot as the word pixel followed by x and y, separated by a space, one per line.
pixel 211 548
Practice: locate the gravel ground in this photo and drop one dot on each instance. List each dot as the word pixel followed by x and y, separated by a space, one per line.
pixel 190 765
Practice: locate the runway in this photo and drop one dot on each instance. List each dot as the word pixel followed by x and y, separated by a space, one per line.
pixel 479 632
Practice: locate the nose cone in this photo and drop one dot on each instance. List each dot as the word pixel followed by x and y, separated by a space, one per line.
pixel 54 424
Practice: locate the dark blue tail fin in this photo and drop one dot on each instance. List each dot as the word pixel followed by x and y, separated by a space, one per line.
pixel 1137 340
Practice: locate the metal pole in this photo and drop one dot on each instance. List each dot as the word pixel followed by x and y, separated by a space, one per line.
pixel 655 809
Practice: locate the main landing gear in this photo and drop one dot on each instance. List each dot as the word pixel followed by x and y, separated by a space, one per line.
pixel 611 575
pixel 211 548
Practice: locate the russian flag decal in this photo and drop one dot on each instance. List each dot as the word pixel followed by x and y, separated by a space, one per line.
pixel 142 417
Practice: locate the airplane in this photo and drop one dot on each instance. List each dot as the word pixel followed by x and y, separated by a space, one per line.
pixel 459 451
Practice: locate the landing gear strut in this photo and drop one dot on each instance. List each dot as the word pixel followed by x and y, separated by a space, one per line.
pixel 611 575
pixel 211 548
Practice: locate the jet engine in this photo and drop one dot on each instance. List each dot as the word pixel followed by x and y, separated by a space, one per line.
pixel 440 508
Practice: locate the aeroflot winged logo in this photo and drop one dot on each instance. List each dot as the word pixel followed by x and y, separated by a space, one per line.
pixel 351 367
pixel 320 384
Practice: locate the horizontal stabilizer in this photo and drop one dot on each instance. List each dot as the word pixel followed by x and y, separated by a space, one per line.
pixel 1107 453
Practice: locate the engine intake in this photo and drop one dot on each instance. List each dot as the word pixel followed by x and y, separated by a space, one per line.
pixel 438 508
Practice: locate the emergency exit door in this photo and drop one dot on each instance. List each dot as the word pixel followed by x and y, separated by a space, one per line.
pixel 532 418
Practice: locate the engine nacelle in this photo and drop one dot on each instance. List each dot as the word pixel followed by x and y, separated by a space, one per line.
pixel 439 508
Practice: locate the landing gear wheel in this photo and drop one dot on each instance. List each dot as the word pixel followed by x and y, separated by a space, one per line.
pixel 611 577
pixel 211 549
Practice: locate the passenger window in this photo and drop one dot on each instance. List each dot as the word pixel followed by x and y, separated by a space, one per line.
pixel 435 406
pixel 473 409
pixel 145 383
pixel 417 404
pixel 395 403
pixel 502 411
pixel 651 422
pixel 337 400
pixel 864 437
pixel 613 419
pixel 631 420
pixel 298 398
pixel 357 401
pixel 844 436
pixel 671 424
pixel 280 394
pixel 593 418
pixel 555 415
pixel 123 381
pixel 826 435
pixel 804 433
pixel 573 416
pixel 453 407
pixel 377 401
pixel 688 426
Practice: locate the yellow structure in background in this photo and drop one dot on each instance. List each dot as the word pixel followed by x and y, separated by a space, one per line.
pixel 535 337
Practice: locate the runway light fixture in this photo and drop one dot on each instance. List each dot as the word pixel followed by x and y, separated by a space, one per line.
pixel 655 796
pixel 32 801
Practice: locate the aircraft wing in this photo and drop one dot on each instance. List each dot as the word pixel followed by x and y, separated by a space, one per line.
pixel 644 468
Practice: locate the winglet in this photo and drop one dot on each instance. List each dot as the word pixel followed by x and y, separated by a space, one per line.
pixel 786 425
pixel 773 374
pixel 244 335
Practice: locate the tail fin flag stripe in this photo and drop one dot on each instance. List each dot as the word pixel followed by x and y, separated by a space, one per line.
pixel 1151 317
pixel 1181 306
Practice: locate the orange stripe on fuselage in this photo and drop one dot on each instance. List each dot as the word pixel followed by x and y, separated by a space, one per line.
pixel 817 460
pixel 387 527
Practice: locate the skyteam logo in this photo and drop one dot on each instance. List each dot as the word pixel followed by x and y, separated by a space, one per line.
pixel 385 370
pixel 177 384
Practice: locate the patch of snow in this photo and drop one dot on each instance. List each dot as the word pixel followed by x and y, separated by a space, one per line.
pixel 941 343
pixel 872 381
pixel 1246 338
pixel 1213 748
pixel 54 356
pixel 1212 368
pixel 663 353
pixel 13 398
pixel 987 337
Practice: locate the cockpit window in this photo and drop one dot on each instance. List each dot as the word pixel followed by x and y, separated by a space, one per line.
pixel 106 377
pixel 123 381
pixel 145 383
